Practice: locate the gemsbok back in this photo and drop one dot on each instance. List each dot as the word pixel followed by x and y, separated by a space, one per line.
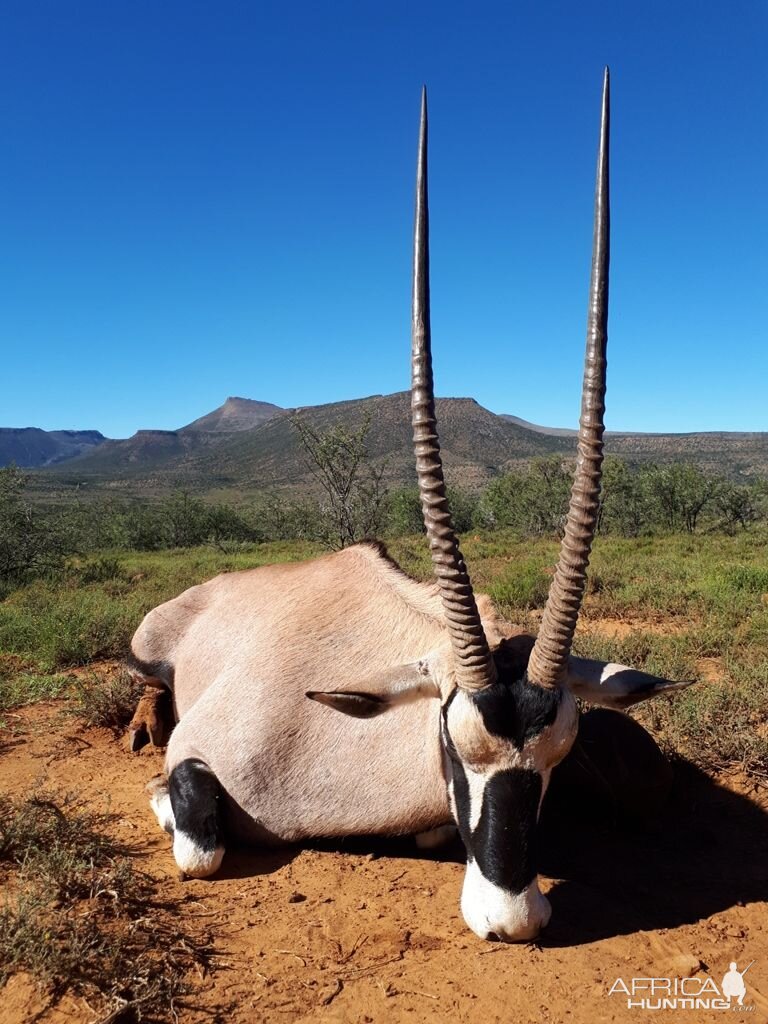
pixel 340 696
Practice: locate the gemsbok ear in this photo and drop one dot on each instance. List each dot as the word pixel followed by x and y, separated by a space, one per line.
pixel 615 686
pixel 358 705
pixel 377 694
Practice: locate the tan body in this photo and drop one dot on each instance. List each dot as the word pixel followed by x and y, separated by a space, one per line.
pixel 246 647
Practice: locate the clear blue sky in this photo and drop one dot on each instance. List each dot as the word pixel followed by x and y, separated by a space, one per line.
pixel 209 199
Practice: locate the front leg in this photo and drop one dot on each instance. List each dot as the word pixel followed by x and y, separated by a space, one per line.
pixel 153 720
pixel 187 807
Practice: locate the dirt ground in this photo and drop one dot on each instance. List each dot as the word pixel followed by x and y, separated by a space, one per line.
pixel 372 932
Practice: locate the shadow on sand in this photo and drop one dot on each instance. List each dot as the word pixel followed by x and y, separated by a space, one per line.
pixel 704 851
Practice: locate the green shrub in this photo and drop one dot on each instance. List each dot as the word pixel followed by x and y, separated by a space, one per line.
pixel 522 587
pixel 403 512
pixel 98 570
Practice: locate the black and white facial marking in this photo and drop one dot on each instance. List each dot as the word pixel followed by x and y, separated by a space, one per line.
pixel 501 744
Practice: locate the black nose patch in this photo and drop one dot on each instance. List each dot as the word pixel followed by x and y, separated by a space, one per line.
pixel 504 840
pixel 503 843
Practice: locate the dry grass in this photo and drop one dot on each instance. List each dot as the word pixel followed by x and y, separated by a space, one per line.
pixel 80 918
pixel 107 699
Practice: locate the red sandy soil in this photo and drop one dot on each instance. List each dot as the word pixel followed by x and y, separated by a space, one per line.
pixel 373 933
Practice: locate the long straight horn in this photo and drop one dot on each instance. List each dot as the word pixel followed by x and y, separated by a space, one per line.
pixel 473 663
pixel 547 664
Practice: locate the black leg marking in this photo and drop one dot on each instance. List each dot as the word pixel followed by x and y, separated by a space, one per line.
pixel 195 798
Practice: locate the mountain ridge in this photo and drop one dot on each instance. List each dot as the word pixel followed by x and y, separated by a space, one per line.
pixel 32 446
pixel 207 457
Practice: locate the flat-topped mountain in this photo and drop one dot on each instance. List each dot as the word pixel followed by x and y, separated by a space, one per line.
pixel 476 443
pixel 31 446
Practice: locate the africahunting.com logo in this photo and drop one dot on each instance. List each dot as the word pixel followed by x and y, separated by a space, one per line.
pixel 695 993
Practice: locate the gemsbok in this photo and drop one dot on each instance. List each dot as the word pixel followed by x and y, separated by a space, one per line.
pixel 341 697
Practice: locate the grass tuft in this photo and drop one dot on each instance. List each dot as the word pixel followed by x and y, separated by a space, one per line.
pixel 108 700
pixel 26 687
pixel 80 918
pixel 522 586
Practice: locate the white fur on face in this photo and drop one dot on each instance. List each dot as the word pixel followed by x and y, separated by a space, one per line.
pixel 489 910
pixel 476 783
pixel 543 752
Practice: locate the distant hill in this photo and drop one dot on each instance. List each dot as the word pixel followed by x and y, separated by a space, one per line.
pixel 146 452
pixel 730 453
pixel 234 415
pixel 551 431
pixel 29 446
pixel 146 449
pixel 245 447
pixel 476 442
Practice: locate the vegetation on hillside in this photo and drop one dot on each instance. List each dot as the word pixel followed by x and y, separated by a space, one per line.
pixel 354 502
pixel 210 461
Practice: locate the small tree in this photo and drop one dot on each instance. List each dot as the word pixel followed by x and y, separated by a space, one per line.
pixel 404 514
pixel 227 526
pixel 623 505
pixel 533 501
pixel 185 520
pixel 681 493
pixel 354 490
pixel 737 505
pixel 463 505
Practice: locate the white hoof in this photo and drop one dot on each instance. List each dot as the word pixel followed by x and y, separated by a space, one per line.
pixel 193 859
